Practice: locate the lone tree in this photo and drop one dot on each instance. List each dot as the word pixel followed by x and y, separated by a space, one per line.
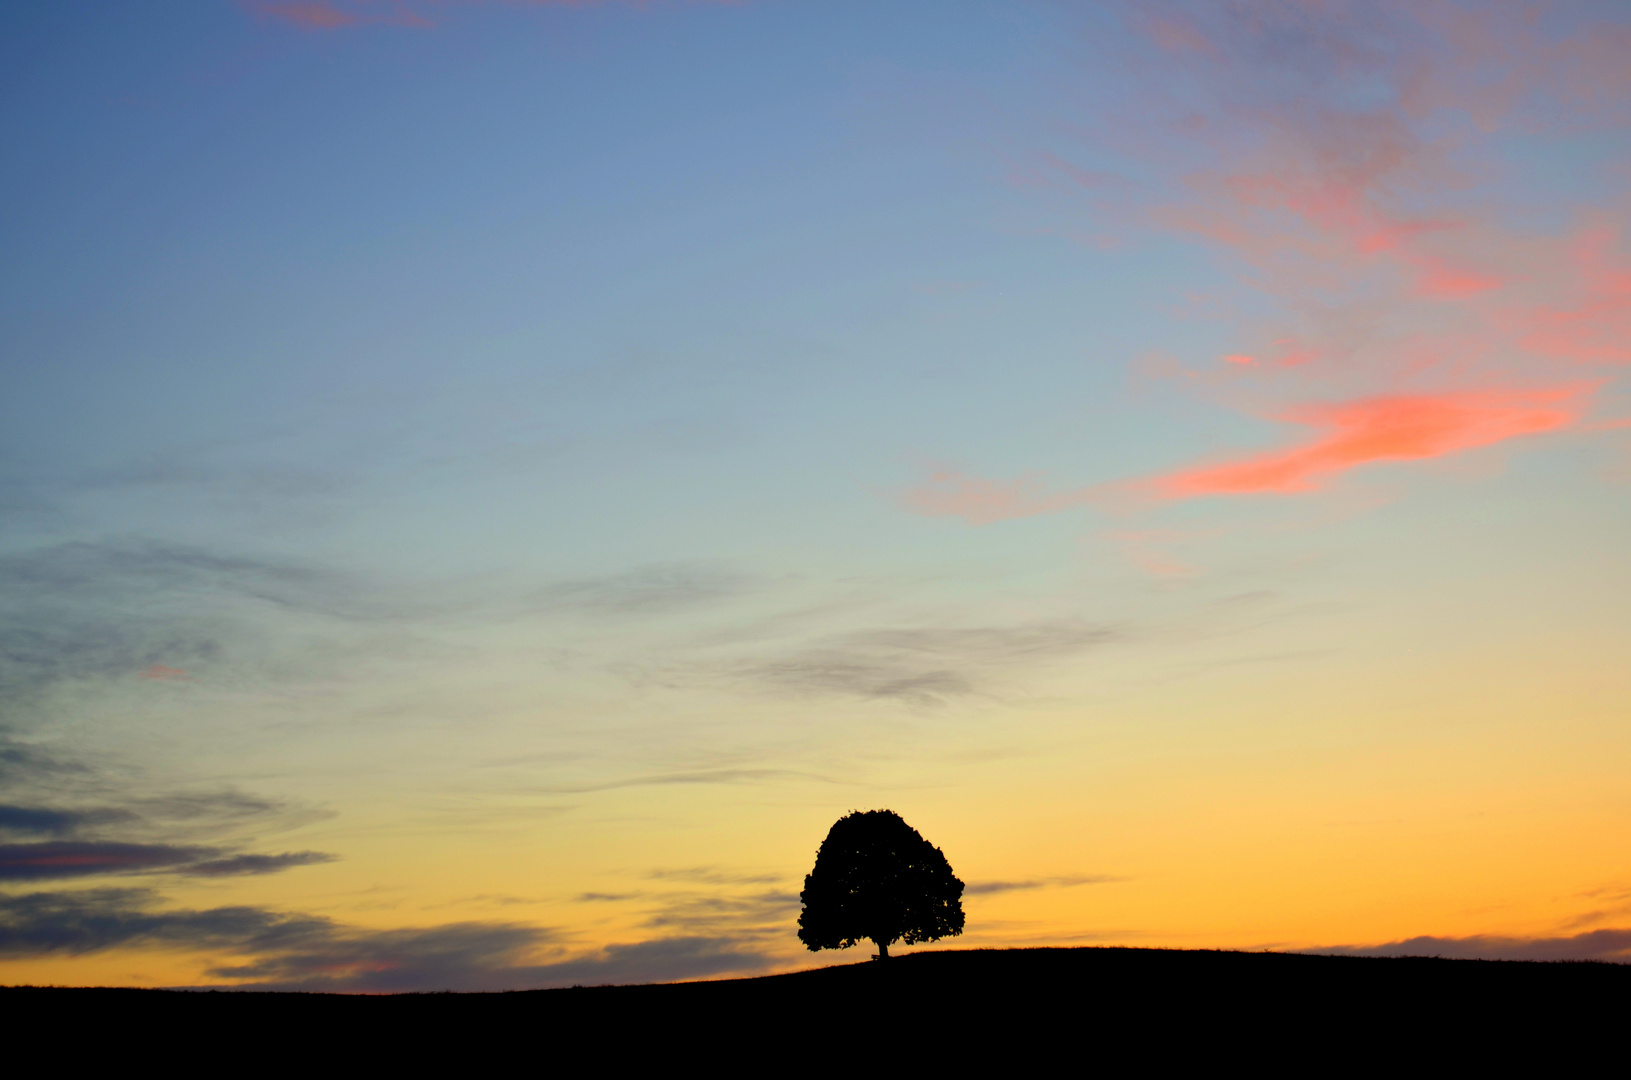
pixel 876 877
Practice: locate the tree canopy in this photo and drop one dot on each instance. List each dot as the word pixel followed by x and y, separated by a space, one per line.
pixel 876 878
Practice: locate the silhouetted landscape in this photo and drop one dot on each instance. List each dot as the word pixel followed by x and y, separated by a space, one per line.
pixel 955 997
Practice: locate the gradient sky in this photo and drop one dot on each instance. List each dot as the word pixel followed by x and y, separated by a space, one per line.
pixel 485 485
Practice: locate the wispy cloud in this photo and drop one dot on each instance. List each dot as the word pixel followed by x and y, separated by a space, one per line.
pixel 248 864
pixel 648 590
pixel 49 821
pixel 266 949
pixel 61 859
pixel 88 823
pixel 90 858
pixel 664 959
pixel 129 608
pixel 70 793
pixel 989 888
pixel 94 920
pixel 688 777
pixel 1345 163
pixel 138 568
pixel 755 910
pixel 924 665
pixel 22 761
pixel 313 14
pixel 321 15
pixel 756 915
pixel 712 875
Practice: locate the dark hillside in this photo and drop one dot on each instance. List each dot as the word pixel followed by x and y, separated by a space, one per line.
pixel 942 1001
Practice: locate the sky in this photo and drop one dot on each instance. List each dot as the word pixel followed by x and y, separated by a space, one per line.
pixel 484 486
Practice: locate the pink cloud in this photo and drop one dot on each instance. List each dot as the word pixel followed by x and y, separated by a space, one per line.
pixel 314 15
pixel 1333 155
pixel 1391 428
pixel 159 671
pixel 1293 353
pixel 1352 434
pixel 323 15
pixel 1441 281
pixel 1597 329
pixel 1319 188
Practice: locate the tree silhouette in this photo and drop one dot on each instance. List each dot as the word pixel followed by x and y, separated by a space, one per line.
pixel 876 877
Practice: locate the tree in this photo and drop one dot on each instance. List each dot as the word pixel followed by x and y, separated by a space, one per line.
pixel 876 877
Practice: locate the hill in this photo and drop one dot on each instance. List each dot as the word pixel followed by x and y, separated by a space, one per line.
pixel 1167 1002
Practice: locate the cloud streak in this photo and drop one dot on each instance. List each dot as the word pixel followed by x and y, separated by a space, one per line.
pixel 921 665
pixel 264 949
pixel 651 590
pixel 993 888
pixel 713 904
pixel 48 821
pixel 160 614
pixel 321 15
pixel 686 778
pixel 90 858
pixel 1381 429
pixel 87 824
pixel 136 569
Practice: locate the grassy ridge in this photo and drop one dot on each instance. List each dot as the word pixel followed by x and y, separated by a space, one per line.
pixel 944 1002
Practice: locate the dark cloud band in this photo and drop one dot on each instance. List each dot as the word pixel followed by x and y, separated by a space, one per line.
pixel 300 952
pixel 72 859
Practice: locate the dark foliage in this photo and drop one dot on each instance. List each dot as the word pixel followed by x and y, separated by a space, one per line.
pixel 876 878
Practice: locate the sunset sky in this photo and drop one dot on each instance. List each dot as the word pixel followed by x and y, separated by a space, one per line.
pixel 485 485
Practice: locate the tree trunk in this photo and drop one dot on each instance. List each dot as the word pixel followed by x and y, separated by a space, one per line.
pixel 883 949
